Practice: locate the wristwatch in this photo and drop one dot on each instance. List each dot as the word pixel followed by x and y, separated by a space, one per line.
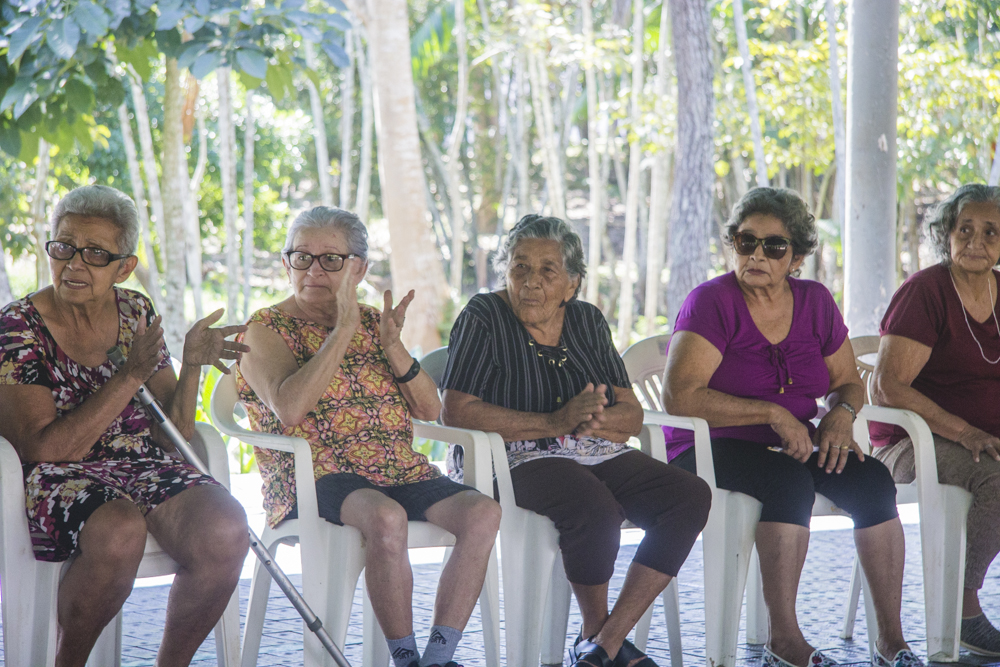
pixel 850 408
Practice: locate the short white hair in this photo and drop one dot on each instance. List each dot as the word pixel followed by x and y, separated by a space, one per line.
pixel 100 201
pixel 321 217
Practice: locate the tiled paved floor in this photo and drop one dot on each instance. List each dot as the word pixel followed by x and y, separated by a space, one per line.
pixel 820 604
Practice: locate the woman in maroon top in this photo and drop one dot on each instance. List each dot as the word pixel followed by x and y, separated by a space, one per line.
pixel 940 357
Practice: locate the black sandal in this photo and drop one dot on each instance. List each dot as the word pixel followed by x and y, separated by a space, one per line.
pixel 589 654
pixel 629 652
pixel 571 651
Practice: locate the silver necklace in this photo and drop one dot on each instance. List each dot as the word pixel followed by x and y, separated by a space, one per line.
pixel 966 315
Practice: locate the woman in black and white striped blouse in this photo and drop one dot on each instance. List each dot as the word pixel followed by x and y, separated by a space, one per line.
pixel 536 365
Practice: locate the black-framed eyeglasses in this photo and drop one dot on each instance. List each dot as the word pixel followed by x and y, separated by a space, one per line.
pixel 775 247
pixel 91 255
pixel 329 262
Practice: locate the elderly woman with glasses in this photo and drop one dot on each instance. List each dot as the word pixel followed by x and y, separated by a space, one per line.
pixel 332 371
pixel 98 474
pixel 536 365
pixel 939 356
pixel 751 353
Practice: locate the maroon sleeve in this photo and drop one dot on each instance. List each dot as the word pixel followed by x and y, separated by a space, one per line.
pixel 915 312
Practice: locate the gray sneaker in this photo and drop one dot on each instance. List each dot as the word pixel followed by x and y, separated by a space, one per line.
pixel 980 637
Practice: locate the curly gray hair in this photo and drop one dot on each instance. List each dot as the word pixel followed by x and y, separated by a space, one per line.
pixel 540 227
pixel 321 217
pixel 785 205
pixel 942 219
pixel 100 201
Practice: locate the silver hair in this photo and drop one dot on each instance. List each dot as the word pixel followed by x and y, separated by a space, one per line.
pixel 785 205
pixel 942 219
pixel 540 227
pixel 100 201
pixel 321 217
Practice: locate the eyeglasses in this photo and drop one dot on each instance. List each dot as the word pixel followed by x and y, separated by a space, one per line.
pixel 93 256
pixel 775 247
pixel 329 262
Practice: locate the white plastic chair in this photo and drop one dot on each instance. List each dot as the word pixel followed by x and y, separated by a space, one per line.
pixel 536 626
pixel 30 587
pixel 944 511
pixel 334 556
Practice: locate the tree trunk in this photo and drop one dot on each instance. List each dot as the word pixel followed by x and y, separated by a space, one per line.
pixel 870 239
pixel 593 164
pixel 149 162
pixel 454 165
pixel 346 124
pixel 524 205
pixel 227 166
pixel 750 86
pixel 248 203
pixel 367 125
pixel 139 195
pixel 691 207
pixel 192 236
pixel 626 304
pixel 839 131
pixel 539 73
pixel 659 194
pixel 414 264
pixel 175 189
pixel 199 166
pixel 319 132
pixel 42 277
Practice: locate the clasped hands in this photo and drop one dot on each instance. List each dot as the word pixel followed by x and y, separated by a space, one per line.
pixel 584 413
pixel 834 437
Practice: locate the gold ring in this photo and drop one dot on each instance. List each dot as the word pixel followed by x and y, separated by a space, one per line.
pixel 844 447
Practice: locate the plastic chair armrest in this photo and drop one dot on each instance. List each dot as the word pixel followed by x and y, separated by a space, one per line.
pixel 923 445
pixel 702 440
pixel 478 464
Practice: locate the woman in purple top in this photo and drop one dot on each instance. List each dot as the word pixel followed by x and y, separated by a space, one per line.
pixel 752 351
pixel 940 357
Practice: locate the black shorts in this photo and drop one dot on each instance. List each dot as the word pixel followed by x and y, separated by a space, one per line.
pixel 332 490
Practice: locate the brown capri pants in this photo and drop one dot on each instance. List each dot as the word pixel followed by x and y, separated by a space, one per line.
pixel 588 504
pixel 956 467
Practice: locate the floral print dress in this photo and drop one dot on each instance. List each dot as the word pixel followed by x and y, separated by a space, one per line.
pixel 125 462
pixel 360 425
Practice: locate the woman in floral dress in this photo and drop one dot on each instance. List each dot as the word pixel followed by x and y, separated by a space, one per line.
pixel 97 473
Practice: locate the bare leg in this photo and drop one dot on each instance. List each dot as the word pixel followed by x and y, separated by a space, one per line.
pixel 100 579
pixel 642 585
pixel 882 549
pixel 474 520
pixel 593 601
pixel 204 530
pixel 383 523
pixel 782 548
pixel 970 604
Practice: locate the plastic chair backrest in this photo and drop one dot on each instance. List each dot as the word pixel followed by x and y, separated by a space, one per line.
pixel 864 348
pixel 434 362
pixel 644 363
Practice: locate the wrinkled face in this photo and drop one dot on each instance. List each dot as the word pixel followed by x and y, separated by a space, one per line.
pixel 537 281
pixel 314 285
pixel 756 270
pixel 975 239
pixel 76 281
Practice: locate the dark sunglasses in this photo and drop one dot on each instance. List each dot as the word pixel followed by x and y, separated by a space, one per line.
pixel 93 256
pixel 329 262
pixel 775 247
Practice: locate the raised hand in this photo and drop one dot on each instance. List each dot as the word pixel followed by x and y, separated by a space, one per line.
pixel 204 346
pixel 979 442
pixel 794 436
pixel 348 312
pixel 392 319
pixel 144 354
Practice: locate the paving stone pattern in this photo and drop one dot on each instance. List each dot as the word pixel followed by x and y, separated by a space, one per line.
pixel 823 589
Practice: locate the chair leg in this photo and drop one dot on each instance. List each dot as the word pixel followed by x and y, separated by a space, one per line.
pixel 489 610
pixel 260 589
pixel 851 604
pixel 227 633
pixel 375 650
pixel 672 612
pixel 107 652
pixel 870 619
pixel 555 622
pixel 943 542
pixel 757 629
pixel 331 565
pixel 529 547
pixel 641 637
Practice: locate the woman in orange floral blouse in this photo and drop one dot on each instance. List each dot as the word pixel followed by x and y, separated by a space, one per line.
pixel 334 372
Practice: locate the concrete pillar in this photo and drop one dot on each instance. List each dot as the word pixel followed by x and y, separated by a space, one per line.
pixel 870 229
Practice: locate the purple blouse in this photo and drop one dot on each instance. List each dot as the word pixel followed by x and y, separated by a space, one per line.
pixel 792 373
